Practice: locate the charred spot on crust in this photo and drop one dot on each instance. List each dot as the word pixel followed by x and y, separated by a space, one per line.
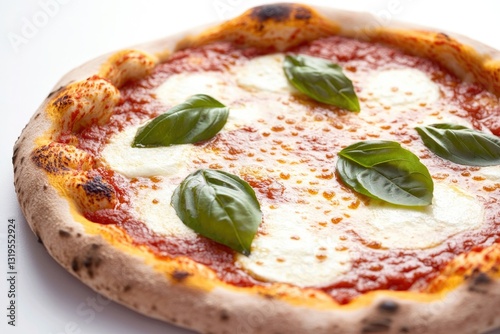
pixel 14 157
pixel 404 329
pixel 224 315
pixel 39 239
pixel 388 306
pixel 64 234
pixel 479 282
pixel 180 275
pixel 481 279
pixel 50 159
pixel 268 296
pixel 55 91
pixel 278 12
pixel 75 265
pixel 376 326
pixel 302 14
pixel 127 288
pixel 63 102
pixel 444 36
pixel 90 262
pixel 97 188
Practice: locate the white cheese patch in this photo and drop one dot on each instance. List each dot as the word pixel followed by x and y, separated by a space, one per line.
pixel 291 251
pixel 244 115
pixel 401 88
pixel 146 162
pixel 152 207
pixel 292 248
pixel 491 173
pixel 452 211
pixel 222 86
pixel 179 87
pixel 263 73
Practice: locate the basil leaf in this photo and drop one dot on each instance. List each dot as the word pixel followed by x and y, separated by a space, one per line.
pixel 386 171
pixel 460 144
pixel 219 206
pixel 321 80
pixel 199 118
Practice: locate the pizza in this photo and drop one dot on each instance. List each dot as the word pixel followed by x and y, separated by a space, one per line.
pixel 281 172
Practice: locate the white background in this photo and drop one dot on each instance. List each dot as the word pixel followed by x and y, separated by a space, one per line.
pixel 39 43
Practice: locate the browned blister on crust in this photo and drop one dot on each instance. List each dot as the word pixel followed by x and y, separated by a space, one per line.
pixel 90 191
pixel 277 27
pixel 56 185
pixel 127 65
pixel 463 60
pixel 57 158
pixel 83 103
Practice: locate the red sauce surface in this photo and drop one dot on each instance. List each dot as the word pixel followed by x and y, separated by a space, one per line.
pixel 372 268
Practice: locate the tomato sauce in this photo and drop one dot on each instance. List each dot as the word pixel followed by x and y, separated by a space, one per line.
pixel 372 268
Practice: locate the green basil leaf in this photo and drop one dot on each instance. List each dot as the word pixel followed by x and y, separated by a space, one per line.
pixel 460 144
pixel 321 80
pixel 219 206
pixel 386 171
pixel 199 118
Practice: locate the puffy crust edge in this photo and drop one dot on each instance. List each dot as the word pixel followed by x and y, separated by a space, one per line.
pixel 171 294
pixel 468 59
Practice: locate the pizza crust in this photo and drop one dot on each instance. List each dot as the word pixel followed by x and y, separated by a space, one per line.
pixel 187 294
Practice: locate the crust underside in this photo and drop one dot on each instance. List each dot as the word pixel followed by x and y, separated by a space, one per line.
pixel 464 300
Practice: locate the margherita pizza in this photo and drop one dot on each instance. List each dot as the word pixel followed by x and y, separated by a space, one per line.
pixel 282 172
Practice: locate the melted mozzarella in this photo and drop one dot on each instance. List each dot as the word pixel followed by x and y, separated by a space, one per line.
pixel 490 173
pixel 452 211
pixel 298 244
pixel 290 250
pixel 152 206
pixel 263 73
pixel 144 162
pixel 401 88
pixel 181 86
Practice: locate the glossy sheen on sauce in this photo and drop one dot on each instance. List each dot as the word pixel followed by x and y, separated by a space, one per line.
pixel 280 142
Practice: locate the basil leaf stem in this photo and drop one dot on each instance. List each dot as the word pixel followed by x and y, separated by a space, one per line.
pixel 386 171
pixel 199 118
pixel 219 206
pixel 460 144
pixel 321 80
